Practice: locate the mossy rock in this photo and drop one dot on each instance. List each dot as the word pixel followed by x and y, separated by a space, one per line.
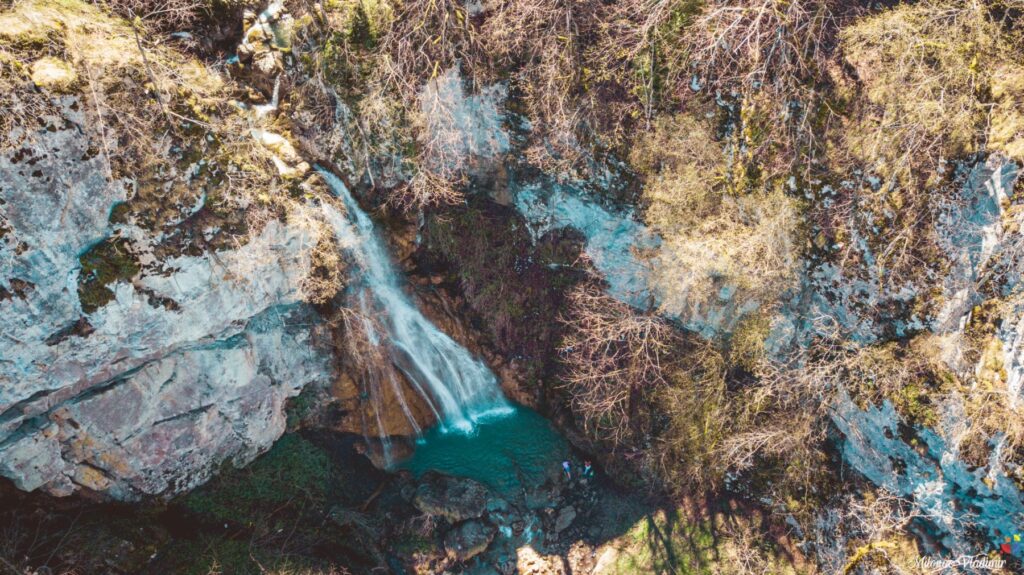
pixel 23 33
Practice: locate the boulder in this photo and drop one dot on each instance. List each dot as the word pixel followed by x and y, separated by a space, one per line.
pixel 454 498
pixel 53 74
pixel 469 539
pixel 565 518
pixel 530 562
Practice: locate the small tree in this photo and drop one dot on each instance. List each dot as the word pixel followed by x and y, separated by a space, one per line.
pixel 614 357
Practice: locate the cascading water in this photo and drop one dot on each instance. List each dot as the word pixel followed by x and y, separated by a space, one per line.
pixel 459 388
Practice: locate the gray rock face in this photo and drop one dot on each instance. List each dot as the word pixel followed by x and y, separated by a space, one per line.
pixel 149 399
pixel 456 499
pixel 948 492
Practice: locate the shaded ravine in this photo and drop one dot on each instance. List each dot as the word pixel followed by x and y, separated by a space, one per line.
pixel 458 388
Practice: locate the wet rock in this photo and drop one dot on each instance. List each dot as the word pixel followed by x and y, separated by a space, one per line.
pixel 469 539
pixel 565 518
pixel 265 41
pixel 454 498
pixel 286 159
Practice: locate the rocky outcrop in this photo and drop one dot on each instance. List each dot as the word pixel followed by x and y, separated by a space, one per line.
pixel 132 366
pixel 185 367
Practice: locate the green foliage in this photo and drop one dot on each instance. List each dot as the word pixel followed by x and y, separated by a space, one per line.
pixel 348 56
pixel 664 544
pixel 293 471
pixel 105 263
pixel 301 407
pixel 223 555
pixel 361 29
pixel 698 415
pixel 659 68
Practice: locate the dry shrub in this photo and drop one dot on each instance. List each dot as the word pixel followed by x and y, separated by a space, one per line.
pixel 698 416
pixel 159 14
pixel 711 235
pixel 151 114
pixel 453 131
pixel 423 40
pixel 130 88
pixel 577 67
pixel 873 524
pixel 772 54
pixel 542 36
pixel 326 277
pixel 427 187
pixel 923 70
pixel 615 359
pixel 428 51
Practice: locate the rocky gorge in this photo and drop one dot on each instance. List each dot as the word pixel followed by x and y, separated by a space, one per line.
pixel 336 287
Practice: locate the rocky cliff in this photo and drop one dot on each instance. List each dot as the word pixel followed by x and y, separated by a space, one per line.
pixel 138 354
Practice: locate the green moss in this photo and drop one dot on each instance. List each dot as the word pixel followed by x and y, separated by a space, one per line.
pixel 413 543
pixel 302 406
pixel 105 263
pixel 914 402
pixel 294 471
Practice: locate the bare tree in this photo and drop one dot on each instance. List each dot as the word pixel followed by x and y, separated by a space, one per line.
pixel 613 355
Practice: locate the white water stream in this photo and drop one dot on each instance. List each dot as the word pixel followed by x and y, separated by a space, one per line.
pixel 458 387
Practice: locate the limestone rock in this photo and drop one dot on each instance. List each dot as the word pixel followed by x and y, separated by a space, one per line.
pixel 136 397
pixel 530 562
pixel 287 160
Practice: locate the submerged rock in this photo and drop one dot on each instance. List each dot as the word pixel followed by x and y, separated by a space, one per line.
pixel 565 518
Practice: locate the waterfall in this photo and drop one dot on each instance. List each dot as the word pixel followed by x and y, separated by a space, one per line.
pixel 459 388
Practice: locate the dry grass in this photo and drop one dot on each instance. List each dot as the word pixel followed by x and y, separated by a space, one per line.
pixel 922 71
pixel 712 236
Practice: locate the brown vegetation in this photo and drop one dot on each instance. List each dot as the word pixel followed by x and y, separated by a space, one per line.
pixel 615 359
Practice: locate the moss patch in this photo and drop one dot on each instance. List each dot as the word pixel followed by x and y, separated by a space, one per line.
pixel 668 542
pixel 105 263
pixel 294 470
